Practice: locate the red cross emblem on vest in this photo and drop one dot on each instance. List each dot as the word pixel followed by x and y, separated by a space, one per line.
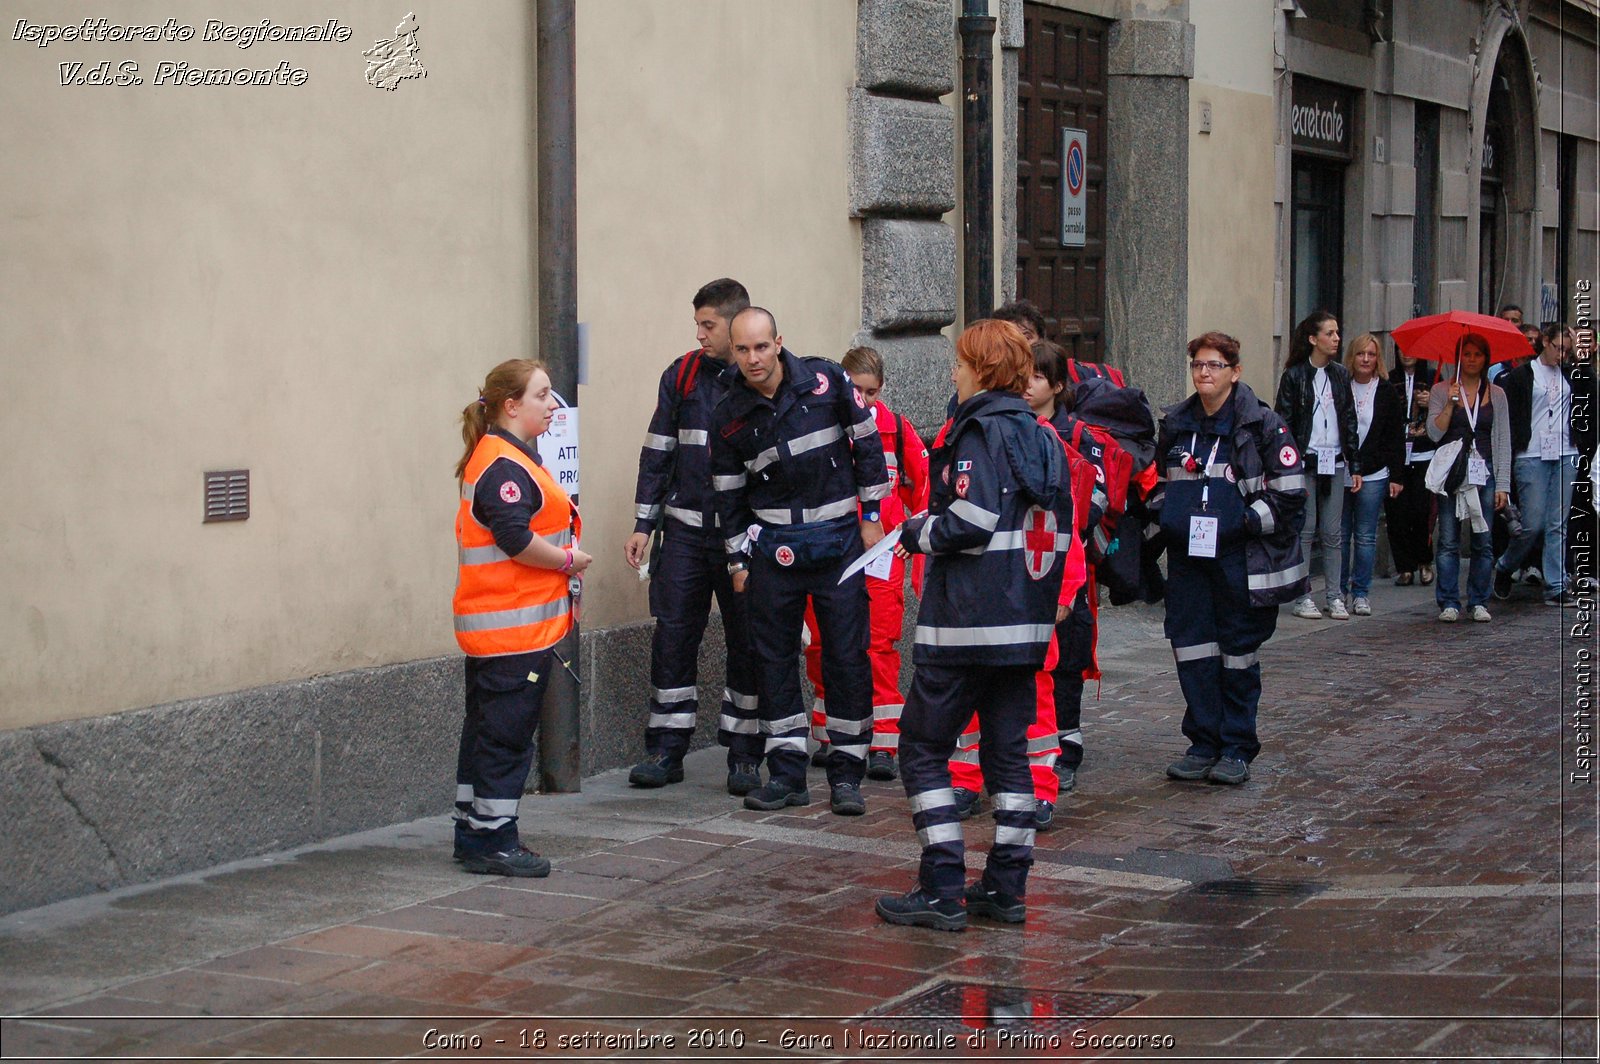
pixel 1039 542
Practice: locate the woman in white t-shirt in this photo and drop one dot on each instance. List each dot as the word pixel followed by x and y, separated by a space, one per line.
pixel 1380 462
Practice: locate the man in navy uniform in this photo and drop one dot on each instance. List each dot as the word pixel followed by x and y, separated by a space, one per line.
pixel 674 493
pixel 794 451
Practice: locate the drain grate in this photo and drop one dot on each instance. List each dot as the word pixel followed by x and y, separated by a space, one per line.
pixel 1020 1012
pixel 1257 888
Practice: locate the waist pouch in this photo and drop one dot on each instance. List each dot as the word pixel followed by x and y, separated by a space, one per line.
pixel 810 546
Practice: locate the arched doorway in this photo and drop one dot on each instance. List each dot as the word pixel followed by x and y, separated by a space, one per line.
pixel 1504 168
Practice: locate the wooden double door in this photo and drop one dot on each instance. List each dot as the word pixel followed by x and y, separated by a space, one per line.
pixel 1061 84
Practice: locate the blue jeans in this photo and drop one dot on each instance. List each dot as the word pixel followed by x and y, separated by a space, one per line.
pixel 1447 591
pixel 1360 523
pixel 1544 492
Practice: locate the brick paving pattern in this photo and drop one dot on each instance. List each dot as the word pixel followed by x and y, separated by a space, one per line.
pixel 1407 875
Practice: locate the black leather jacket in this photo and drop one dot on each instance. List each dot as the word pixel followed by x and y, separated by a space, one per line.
pixel 1295 404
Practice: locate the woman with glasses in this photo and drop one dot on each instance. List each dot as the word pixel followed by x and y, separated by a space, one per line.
pixel 1314 400
pixel 1380 458
pixel 1228 510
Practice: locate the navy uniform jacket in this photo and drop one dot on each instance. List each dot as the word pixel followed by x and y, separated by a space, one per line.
pixel 789 460
pixel 1263 468
pixel 999 524
pixel 675 461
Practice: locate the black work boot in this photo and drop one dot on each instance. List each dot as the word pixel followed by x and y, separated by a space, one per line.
pixel 919 909
pixel 995 905
pixel 743 777
pixel 776 795
pixel 517 861
pixel 657 770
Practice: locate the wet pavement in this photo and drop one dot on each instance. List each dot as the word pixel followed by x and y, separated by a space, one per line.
pixel 1409 874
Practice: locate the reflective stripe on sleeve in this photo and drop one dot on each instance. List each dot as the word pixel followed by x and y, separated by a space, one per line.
pixel 733 483
pixel 694 437
pixel 1281 578
pixel 657 442
pixel 974 514
pixel 692 518
pixel 1264 512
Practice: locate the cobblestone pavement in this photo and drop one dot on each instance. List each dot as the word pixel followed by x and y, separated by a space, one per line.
pixel 1409 874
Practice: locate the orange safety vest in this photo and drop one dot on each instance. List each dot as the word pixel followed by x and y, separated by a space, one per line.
pixel 503 606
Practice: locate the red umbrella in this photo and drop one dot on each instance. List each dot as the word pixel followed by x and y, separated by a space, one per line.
pixel 1437 337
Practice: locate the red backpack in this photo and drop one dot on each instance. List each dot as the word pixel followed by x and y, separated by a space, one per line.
pixel 1113 472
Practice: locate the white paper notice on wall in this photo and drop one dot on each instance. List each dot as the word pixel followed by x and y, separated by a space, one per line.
pixel 558 447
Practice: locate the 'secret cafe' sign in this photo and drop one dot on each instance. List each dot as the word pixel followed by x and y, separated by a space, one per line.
pixel 1322 118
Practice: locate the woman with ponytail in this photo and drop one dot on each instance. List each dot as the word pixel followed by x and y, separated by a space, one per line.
pixel 516 540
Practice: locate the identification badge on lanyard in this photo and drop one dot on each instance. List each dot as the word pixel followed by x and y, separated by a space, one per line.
pixel 1327 458
pixel 1477 468
pixel 881 566
pixel 1202 536
pixel 1408 453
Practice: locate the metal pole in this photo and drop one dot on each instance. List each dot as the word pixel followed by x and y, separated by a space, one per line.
pixel 977 156
pixel 556 195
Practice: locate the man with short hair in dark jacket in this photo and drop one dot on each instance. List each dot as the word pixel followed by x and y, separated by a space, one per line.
pixel 1544 460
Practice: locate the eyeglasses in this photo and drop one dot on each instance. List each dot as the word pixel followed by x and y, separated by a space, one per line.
pixel 1198 365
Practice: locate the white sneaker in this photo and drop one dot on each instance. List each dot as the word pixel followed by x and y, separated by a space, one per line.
pixel 1449 615
pixel 1307 609
pixel 1337 611
pixel 1362 607
pixel 1533 576
pixel 1480 614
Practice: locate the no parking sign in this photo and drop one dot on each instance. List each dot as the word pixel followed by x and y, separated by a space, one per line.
pixel 1074 181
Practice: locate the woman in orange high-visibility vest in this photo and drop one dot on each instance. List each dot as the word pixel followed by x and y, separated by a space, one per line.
pixel 516 537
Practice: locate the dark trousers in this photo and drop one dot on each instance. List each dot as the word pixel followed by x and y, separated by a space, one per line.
pixel 776 610
pixel 1410 520
pixel 1215 634
pixel 688 571
pixel 937 709
pixel 503 699
pixel 1075 637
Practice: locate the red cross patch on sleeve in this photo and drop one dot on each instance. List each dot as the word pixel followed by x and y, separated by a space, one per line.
pixel 509 492
pixel 1288 456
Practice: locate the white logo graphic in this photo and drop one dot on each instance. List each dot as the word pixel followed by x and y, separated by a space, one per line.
pixel 822 384
pixel 392 61
pixel 784 556
pixel 510 492
pixel 1288 456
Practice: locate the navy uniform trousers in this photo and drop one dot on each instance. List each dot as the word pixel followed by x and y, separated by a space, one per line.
pixel 1215 634
pixel 937 709
pixel 1075 637
pixel 776 612
pixel 504 695
pixel 688 571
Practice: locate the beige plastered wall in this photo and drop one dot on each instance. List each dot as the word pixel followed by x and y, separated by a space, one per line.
pixel 1231 228
pixel 306 281
pixel 712 141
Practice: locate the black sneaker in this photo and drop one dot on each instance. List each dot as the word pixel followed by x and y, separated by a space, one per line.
pixel 1044 814
pixel 881 766
pixel 995 905
pixel 967 803
pixel 1566 598
pixel 657 770
pixel 917 909
pixel 776 794
pixel 847 800
pixel 517 861
pixel 1190 767
pixel 1229 770
pixel 743 777
pixel 1067 776
pixel 1502 583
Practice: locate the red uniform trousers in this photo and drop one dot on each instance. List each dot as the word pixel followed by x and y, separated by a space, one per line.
pixel 887 602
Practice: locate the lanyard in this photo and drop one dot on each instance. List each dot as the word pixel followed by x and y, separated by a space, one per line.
pixel 1205 491
pixel 1471 412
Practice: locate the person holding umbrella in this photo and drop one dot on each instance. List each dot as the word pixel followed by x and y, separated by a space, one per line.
pixel 1465 412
